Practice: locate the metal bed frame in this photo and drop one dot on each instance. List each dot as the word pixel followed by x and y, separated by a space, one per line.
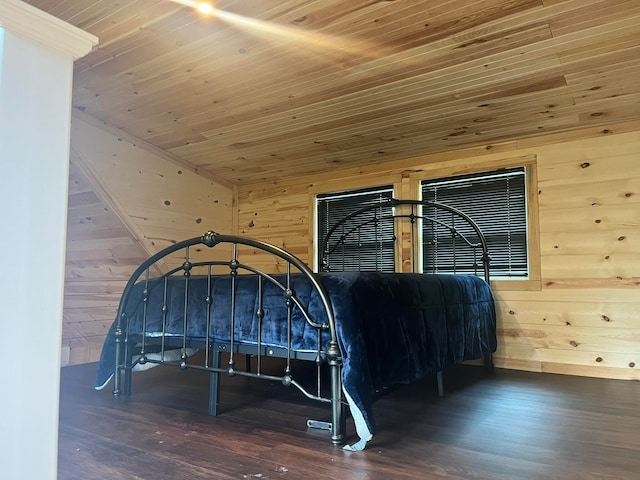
pixel 129 346
pixel 136 349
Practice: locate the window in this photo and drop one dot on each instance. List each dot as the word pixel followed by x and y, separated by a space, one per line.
pixel 496 201
pixel 361 248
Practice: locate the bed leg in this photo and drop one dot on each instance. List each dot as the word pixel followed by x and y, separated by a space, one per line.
pixel 338 420
pixel 116 374
pixel 128 365
pixel 123 364
pixel 127 381
pixel 488 361
pixel 440 384
pixel 214 385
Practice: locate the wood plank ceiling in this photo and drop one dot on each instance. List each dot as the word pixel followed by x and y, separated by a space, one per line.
pixel 272 88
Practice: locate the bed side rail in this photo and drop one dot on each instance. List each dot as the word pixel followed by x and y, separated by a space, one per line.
pixel 431 222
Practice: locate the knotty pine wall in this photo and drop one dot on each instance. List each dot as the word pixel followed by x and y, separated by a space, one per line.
pixel 126 202
pixel 581 315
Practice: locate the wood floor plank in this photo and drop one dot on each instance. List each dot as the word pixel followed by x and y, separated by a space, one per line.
pixel 504 425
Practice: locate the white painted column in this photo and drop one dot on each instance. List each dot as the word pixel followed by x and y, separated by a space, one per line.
pixel 36 67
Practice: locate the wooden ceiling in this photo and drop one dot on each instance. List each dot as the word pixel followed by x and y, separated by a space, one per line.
pixel 274 88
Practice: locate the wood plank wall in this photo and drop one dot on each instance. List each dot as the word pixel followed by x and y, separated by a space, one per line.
pixel 126 202
pixel 101 254
pixel 582 316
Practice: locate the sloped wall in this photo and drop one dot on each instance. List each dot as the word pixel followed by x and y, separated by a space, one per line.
pixel 126 202
pixel 581 316
pixel 101 254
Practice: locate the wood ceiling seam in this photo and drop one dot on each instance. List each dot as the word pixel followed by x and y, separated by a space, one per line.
pixel 421 151
pixel 444 86
pixel 204 40
pixel 606 9
pixel 399 115
pixel 143 44
pixel 625 69
pixel 607 59
pixel 421 123
pixel 403 117
pixel 342 99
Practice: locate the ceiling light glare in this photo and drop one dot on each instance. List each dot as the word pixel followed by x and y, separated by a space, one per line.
pixel 205 8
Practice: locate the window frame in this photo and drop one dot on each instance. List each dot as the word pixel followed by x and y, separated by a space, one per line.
pixel 529 162
pixel 486 212
pixel 350 182
pixel 388 189
pixel 406 185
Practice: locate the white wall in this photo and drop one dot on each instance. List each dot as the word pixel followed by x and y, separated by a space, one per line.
pixel 35 96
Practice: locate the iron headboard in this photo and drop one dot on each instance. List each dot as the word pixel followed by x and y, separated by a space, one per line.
pixel 459 226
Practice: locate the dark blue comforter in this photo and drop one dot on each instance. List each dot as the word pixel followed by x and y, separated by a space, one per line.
pixel 392 328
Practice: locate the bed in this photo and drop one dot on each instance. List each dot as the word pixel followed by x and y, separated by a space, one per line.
pixel 365 331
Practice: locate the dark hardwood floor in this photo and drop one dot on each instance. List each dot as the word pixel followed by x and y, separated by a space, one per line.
pixel 506 425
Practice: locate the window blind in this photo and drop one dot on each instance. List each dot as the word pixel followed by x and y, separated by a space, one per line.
pixel 496 201
pixel 367 244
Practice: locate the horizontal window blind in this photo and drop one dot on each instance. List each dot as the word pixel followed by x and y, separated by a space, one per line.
pixel 362 243
pixel 496 201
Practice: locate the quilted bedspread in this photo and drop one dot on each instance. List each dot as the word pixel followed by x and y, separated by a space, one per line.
pixel 392 328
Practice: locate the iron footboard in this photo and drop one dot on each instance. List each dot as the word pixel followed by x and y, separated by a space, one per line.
pixel 138 343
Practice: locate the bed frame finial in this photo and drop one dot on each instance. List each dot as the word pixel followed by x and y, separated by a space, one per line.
pixel 210 238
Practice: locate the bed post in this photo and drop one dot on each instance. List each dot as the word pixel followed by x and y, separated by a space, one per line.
pixel 338 420
pixel 214 383
pixel 122 353
pixel 440 381
pixel 488 361
pixel 116 373
pixel 128 365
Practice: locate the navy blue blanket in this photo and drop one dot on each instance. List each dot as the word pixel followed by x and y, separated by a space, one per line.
pixel 392 328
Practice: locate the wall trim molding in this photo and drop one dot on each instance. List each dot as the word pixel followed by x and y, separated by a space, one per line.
pixel 45 30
